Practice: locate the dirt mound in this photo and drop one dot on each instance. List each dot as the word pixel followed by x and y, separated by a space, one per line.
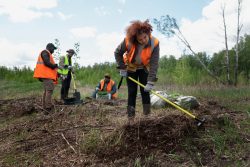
pixel 95 134
pixel 164 134
pixel 18 107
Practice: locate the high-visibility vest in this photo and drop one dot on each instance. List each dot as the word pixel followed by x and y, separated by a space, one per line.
pixel 108 88
pixel 146 53
pixel 42 71
pixel 64 71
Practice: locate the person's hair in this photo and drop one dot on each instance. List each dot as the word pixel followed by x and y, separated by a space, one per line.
pixel 138 27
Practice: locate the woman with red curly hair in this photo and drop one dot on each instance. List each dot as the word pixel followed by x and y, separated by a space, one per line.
pixel 137 57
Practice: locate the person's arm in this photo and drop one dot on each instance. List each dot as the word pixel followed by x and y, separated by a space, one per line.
pixel 98 86
pixel 113 90
pixel 46 60
pixel 119 51
pixel 154 63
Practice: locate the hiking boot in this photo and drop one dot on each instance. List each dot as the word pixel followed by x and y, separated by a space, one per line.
pixel 131 114
pixel 131 111
pixel 146 109
pixel 131 120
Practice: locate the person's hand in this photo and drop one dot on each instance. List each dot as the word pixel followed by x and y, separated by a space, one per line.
pixel 63 77
pixel 109 96
pixel 123 73
pixel 55 66
pixel 70 67
pixel 60 67
pixel 149 86
pixel 96 88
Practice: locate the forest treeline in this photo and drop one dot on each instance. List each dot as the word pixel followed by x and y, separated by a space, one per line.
pixel 185 70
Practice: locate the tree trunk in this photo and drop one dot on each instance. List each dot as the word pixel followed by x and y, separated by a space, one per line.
pixel 237 43
pixel 226 47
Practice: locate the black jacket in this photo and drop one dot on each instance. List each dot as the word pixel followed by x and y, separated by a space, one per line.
pixel 46 60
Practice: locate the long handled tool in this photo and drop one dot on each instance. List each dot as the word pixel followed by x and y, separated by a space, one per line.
pixel 76 94
pixel 199 121
pixel 76 99
pixel 120 83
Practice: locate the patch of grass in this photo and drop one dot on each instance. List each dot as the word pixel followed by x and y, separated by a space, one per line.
pixel 13 159
pixel 9 160
pixel 91 141
pixel 145 162
pixel 175 157
pixel 235 98
pixel 225 141
pixel 15 89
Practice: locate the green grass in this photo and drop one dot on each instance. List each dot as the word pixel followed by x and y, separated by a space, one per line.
pixel 28 159
pixel 225 141
pixel 234 98
pixel 15 89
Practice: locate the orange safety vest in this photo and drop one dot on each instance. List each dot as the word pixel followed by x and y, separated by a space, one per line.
pixel 42 71
pixel 145 54
pixel 109 87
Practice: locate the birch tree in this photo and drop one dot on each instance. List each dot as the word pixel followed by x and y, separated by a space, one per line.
pixel 239 27
pixel 168 27
pixel 226 46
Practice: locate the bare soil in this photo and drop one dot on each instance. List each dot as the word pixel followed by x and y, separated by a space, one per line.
pixel 95 133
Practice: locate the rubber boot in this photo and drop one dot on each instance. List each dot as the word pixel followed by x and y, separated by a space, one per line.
pixel 146 109
pixel 131 114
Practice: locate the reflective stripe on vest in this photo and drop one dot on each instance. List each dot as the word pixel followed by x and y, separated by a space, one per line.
pixel 108 88
pixel 145 54
pixel 64 71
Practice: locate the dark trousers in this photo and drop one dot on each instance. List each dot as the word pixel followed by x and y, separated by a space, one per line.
pixel 132 87
pixel 65 86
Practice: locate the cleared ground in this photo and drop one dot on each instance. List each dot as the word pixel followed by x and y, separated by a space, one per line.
pixel 96 134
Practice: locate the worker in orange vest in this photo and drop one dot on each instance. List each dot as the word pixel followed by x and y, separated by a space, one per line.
pixel 106 85
pixel 46 72
pixel 137 57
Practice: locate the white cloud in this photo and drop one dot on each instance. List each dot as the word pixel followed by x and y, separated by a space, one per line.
pixel 102 11
pixel 206 34
pixel 107 43
pixel 122 1
pixel 63 16
pixel 83 32
pixel 26 10
pixel 119 11
pixel 18 54
pixel 99 49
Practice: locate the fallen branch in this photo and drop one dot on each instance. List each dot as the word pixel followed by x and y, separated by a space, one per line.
pixel 41 108
pixel 68 143
pixel 85 126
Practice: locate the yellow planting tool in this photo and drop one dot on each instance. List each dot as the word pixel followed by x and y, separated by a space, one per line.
pixel 199 121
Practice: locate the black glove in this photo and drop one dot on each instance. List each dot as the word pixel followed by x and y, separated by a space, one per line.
pixel 55 66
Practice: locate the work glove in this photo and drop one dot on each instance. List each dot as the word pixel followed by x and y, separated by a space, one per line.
pixel 109 96
pixel 63 77
pixel 70 67
pixel 149 86
pixel 60 67
pixel 123 73
pixel 96 88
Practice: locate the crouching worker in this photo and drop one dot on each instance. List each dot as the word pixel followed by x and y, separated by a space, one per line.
pixel 105 89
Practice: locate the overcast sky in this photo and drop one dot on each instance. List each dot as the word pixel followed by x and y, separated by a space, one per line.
pixel 26 26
